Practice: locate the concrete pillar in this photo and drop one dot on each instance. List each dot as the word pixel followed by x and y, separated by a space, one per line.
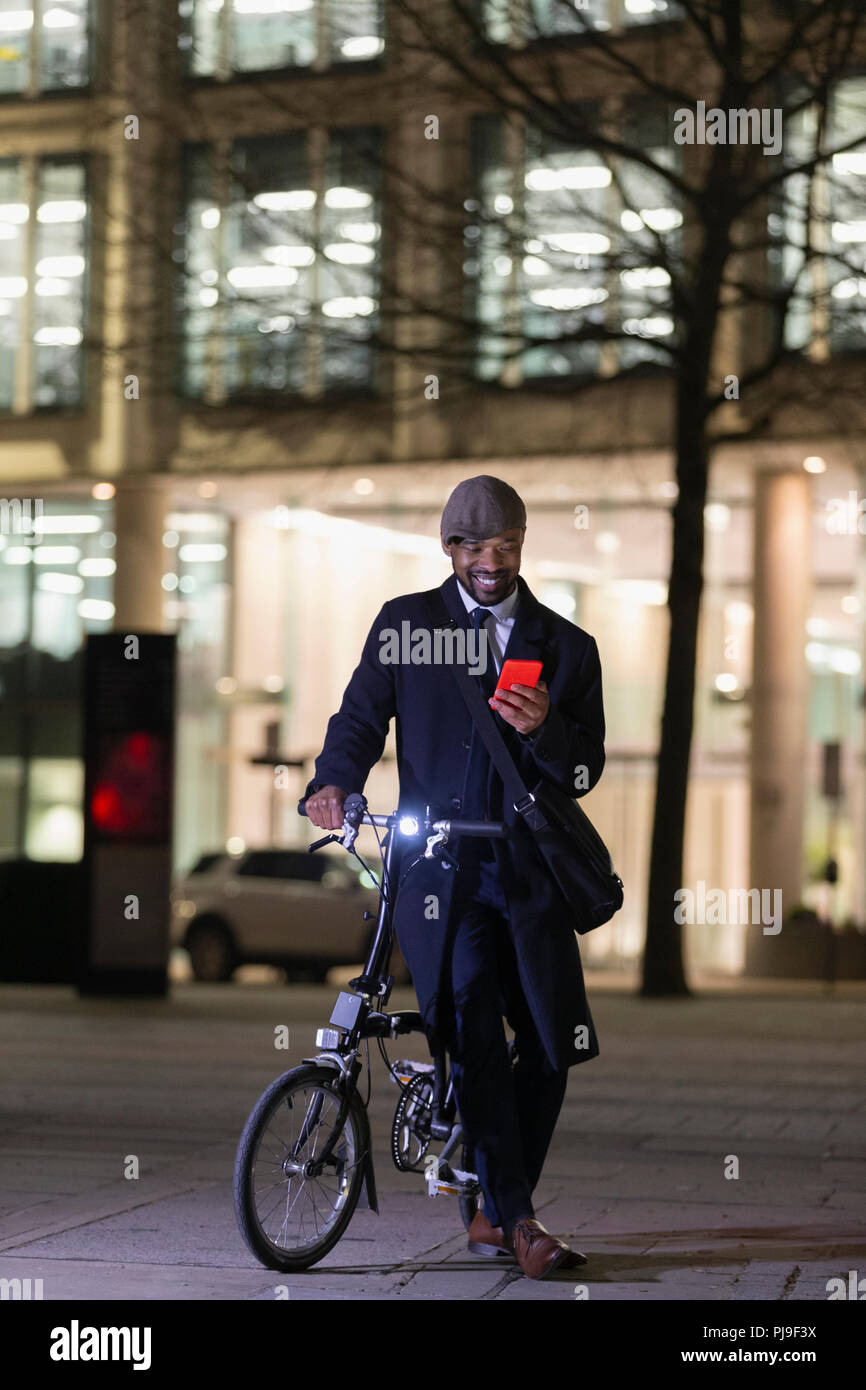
pixel 422 275
pixel 256 811
pixel 856 791
pixel 780 691
pixel 139 525
pixel 132 220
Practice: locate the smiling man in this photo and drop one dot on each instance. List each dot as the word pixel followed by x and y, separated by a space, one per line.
pixel 495 940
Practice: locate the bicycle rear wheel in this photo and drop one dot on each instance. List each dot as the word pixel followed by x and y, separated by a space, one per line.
pixel 289 1217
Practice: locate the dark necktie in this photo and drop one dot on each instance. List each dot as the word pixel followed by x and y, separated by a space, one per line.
pixel 482 636
pixel 474 799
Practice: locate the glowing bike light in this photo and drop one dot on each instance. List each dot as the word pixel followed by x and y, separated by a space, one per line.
pixel 408 825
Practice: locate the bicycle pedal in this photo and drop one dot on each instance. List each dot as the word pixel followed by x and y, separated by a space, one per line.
pixel 454 1182
pixel 406 1070
pixel 467 1182
pixel 443 1186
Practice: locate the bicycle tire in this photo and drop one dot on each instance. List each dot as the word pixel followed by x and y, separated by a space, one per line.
pixel 256 1239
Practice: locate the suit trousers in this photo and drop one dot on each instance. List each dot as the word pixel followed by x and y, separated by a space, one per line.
pixel 509 1110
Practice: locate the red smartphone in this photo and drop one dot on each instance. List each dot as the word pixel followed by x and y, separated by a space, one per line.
pixel 518 673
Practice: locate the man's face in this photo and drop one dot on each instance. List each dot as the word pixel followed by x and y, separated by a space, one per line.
pixel 487 569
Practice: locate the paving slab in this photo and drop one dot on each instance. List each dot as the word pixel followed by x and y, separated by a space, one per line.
pixel 634 1177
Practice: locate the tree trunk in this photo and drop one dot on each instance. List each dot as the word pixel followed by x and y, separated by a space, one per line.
pixel 663 972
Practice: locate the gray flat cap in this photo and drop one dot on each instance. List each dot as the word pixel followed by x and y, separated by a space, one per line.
pixel 481 507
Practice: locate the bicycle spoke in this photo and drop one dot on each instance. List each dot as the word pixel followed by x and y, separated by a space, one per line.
pixel 295 1210
pixel 266 1221
pixel 288 1211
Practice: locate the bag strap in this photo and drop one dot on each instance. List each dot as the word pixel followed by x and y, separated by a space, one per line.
pixel 520 797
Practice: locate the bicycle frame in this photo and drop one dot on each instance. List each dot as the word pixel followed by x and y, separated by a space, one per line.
pixel 354 1018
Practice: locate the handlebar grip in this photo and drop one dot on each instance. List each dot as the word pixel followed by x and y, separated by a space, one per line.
pixel 355 802
pixel 493 829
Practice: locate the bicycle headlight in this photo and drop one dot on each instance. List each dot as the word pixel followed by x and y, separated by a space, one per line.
pixel 408 825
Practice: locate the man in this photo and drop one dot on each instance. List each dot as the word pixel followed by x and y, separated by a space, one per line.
pixel 496 937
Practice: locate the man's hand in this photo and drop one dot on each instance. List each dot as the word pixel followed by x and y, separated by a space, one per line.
pixel 523 706
pixel 325 807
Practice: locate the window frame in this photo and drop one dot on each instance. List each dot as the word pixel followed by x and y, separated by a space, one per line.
pixel 513 375
pixel 24 403
pixel 318 144
pixel 618 29
pixel 33 91
pixel 322 65
pixel 818 346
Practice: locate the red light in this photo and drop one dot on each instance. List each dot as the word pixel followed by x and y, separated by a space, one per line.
pixel 131 794
pixel 139 749
pixel 106 808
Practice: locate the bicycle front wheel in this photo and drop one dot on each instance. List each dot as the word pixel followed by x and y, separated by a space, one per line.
pixel 290 1216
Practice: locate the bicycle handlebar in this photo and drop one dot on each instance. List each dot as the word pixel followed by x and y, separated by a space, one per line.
pixel 491 829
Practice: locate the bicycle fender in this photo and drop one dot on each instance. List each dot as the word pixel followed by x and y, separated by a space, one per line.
pixel 369 1191
pixel 369 1198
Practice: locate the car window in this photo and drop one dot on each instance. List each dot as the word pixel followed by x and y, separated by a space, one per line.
pixel 307 867
pixel 297 865
pixel 286 863
pixel 263 863
pixel 205 862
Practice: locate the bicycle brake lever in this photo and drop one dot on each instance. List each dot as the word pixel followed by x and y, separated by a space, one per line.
pixel 433 841
pixel 325 840
pixel 436 850
pixel 348 835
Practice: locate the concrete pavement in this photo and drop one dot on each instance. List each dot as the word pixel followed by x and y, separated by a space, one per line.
pixel 771 1077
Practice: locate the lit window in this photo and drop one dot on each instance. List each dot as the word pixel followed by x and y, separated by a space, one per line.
pixel 567 265
pixel 544 19
pixel 59 298
pixel 280 266
pixel 846 181
pixel 827 304
pixel 649 242
pixel 44 298
pixel 43 46
pixel 240 36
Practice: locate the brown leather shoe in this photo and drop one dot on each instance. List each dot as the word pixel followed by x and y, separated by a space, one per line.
pixel 539 1253
pixel 485 1239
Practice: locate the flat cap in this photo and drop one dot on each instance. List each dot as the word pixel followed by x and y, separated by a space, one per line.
pixel 481 507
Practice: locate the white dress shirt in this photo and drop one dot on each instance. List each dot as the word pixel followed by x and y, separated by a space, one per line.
pixel 497 632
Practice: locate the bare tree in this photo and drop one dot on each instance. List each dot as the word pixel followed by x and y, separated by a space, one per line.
pixel 700 180
pixel 761 165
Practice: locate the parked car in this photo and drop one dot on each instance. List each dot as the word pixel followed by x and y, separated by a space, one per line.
pixel 280 907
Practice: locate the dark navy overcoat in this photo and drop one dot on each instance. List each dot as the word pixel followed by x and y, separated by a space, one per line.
pixel 433 728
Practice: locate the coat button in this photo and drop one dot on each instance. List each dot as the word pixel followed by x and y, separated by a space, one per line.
pixel 466 743
pixel 456 802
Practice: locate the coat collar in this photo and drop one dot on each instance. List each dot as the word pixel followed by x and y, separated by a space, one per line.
pixel 527 635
